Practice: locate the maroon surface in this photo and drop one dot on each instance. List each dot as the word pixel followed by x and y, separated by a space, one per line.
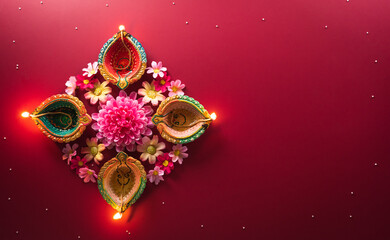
pixel 297 131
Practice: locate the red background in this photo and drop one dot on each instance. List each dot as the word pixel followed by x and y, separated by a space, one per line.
pixel 303 116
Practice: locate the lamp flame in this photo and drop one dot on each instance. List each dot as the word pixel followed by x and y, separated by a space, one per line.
pixel 121 28
pixel 25 114
pixel 213 116
pixel 117 216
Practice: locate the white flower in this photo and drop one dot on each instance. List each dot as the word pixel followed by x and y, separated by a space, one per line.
pixel 150 94
pixel 98 93
pixel 176 88
pixel 91 70
pixel 155 175
pixel 150 149
pixel 71 85
pixel 157 69
pixel 178 153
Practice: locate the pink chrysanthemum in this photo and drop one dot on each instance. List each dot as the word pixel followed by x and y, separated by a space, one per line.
pixel 122 122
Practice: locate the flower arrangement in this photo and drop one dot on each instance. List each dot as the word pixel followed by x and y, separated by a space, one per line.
pixel 123 122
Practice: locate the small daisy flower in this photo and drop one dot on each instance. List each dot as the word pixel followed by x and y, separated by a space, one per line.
pixel 150 94
pixel 165 163
pixel 77 163
pixel 87 174
pixel 157 69
pixel 98 93
pixel 91 70
pixel 69 152
pixel 85 82
pixel 71 85
pixel 178 153
pixel 155 175
pixel 93 151
pixel 176 88
pixel 150 149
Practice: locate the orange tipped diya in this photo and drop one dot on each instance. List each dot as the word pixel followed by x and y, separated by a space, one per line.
pixel 122 59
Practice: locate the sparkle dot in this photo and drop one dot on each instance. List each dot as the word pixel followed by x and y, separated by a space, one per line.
pixel 312 216
pixel 376 61
pixel 17 232
pixel 367 33
pixel 75 28
pixel 326 26
pixel 9 199
pixel 17 67
pixel 41 2
pixel 163 203
pixel 107 5
pixel 92 165
pixel 47 209
pixel 10 169
pixel 373 96
pixel 351 193
pixel 129 233
pixel 78 236
pixel 173 3
pixel 216 26
pixel 5 138
pixel 350 216
pixel 186 22
pixel 201 226
pixel 13 41
pixel 127 230
pixel 243 228
pixel 20 8
pixel 347 0
pixel 376 164
pixel 263 19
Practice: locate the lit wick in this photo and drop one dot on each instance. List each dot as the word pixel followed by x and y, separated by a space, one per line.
pixel 213 116
pixel 121 28
pixel 25 114
pixel 117 216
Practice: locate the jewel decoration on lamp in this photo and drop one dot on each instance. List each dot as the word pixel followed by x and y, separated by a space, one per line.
pixel 62 117
pixel 121 181
pixel 122 59
pixel 181 119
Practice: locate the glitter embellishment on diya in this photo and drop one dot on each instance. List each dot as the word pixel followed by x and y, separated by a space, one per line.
pixel 122 59
pixel 62 118
pixel 121 181
pixel 181 119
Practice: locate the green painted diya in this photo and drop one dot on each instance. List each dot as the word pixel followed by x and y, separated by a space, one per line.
pixel 62 118
pixel 121 181
pixel 181 119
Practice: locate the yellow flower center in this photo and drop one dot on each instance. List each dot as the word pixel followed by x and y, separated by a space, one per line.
pixel 174 89
pixel 94 151
pixel 81 163
pixel 156 70
pixel 90 172
pixel 86 81
pixel 152 94
pixel 155 172
pixel 98 91
pixel 176 152
pixel 165 163
pixel 151 150
pixel 93 71
pixel 162 82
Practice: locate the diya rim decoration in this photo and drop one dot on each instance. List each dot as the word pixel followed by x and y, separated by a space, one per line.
pixel 179 119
